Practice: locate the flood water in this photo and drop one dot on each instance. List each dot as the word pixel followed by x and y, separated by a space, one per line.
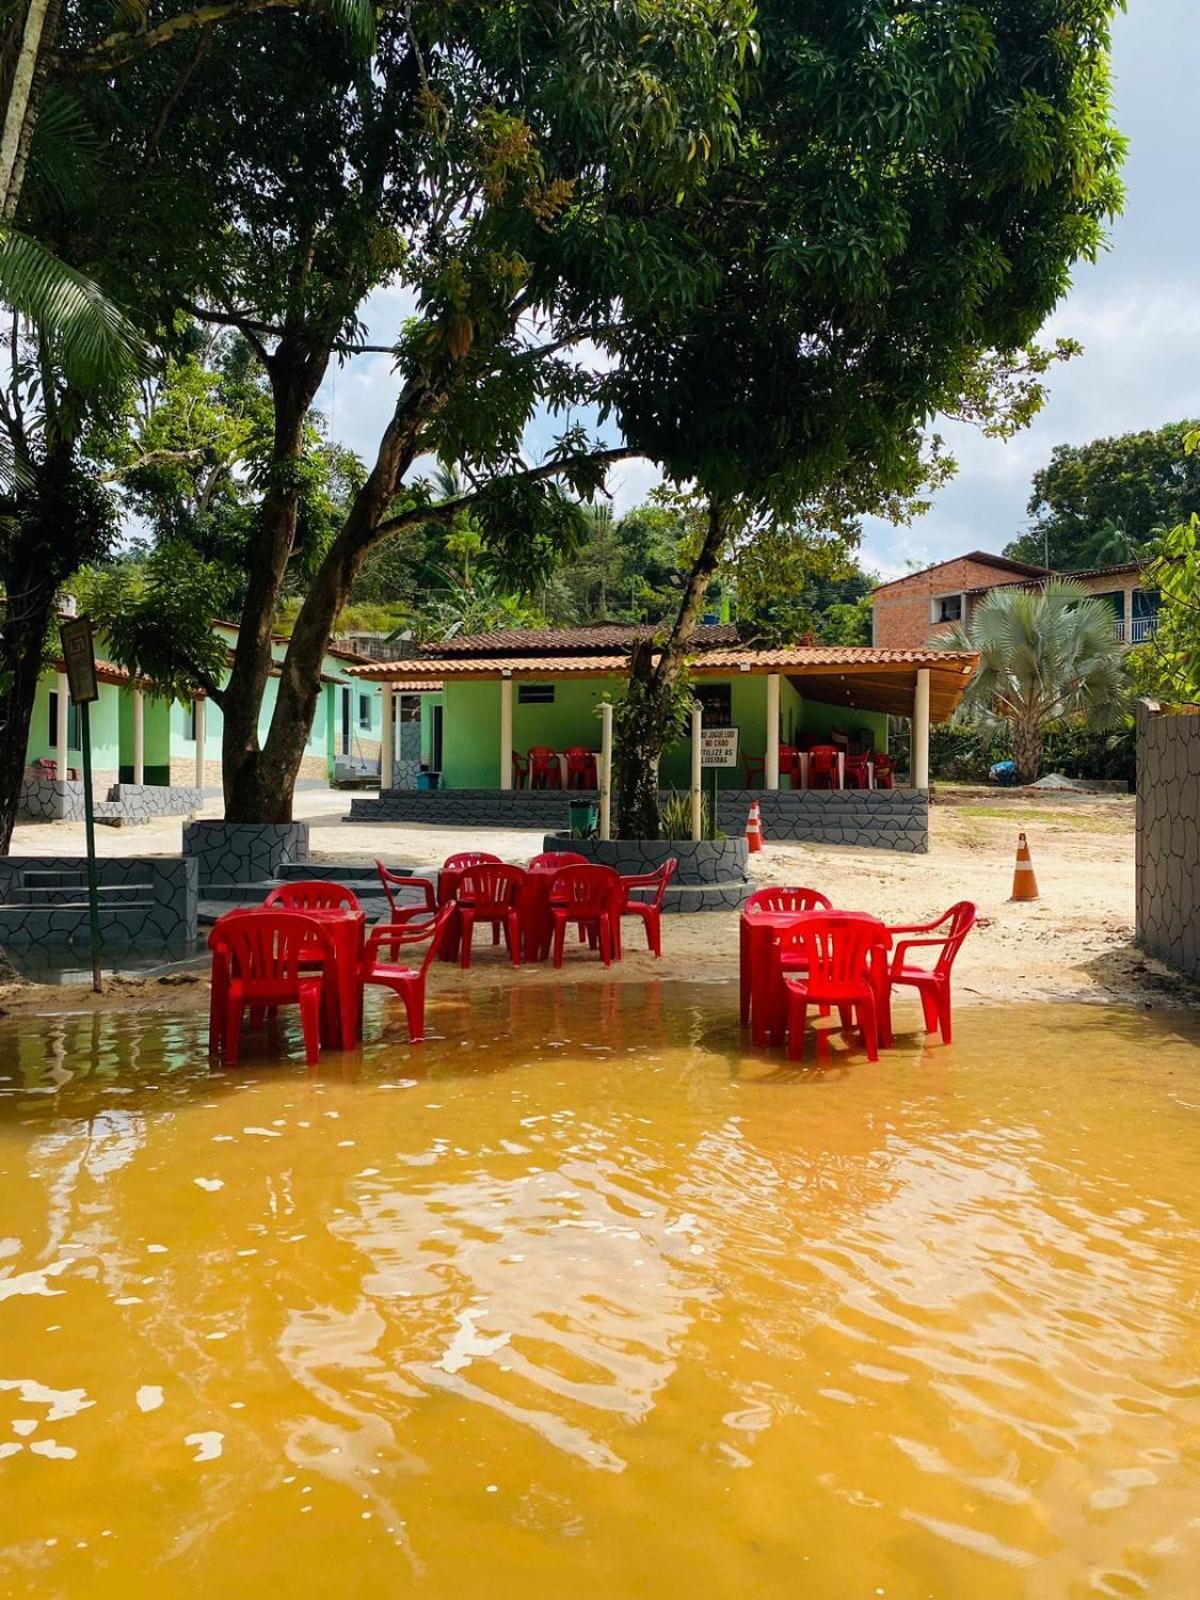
pixel 586 1300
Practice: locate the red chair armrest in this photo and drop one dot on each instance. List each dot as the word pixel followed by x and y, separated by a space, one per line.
pixel 913 944
pixel 920 927
pixel 403 931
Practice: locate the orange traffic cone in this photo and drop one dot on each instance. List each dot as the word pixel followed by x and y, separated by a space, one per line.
pixel 754 833
pixel 1024 883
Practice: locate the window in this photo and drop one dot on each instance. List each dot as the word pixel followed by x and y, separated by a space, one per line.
pixel 716 704
pixel 947 608
pixel 535 694
pixel 345 722
pixel 72 723
pixel 364 712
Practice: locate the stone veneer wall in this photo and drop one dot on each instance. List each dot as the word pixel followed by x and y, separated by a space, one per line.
pixel 710 874
pixel 244 852
pixel 881 819
pixel 61 800
pixel 1168 834
pixel 146 902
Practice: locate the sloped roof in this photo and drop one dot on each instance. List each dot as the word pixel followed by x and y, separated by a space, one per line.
pixel 595 637
pixel 1023 569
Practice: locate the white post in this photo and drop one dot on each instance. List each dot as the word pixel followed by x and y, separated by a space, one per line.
pixel 771 764
pixel 697 774
pixel 920 732
pixel 606 748
pixel 139 737
pixel 387 750
pixel 506 742
pixel 199 704
pixel 61 724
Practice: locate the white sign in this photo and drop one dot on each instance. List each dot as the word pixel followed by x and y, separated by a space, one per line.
pixel 719 747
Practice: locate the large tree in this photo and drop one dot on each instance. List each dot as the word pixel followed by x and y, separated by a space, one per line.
pixel 911 191
pixel 1103 502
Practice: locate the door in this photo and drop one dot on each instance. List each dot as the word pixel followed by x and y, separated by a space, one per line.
pixel 345 722
pixel 435 737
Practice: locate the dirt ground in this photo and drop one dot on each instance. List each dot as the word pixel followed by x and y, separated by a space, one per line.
pixel 1074 942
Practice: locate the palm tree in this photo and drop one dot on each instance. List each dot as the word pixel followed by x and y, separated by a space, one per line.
pixel 1045 654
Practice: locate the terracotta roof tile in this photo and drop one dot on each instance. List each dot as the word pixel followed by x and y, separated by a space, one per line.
pixel 595 637
pixel 783 659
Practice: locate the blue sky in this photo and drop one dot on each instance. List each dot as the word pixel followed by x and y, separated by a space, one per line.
pixel 1137 314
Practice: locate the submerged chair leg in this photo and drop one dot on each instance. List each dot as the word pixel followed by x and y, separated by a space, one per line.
pixel 797 1021
pixel 310 1022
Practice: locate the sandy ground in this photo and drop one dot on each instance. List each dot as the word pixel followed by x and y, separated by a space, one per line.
pixel 1073 942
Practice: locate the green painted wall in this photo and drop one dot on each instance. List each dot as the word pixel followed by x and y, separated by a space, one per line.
pixel 822 719
pixel 105 725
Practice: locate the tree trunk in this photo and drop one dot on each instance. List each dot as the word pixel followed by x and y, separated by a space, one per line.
pixel 650 717
pixel 249 794
pixel 1028 740
pixel 26 89
pixel 31 589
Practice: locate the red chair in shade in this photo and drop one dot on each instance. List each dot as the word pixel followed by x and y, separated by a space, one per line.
pixel 884 772
pixel 544 770
pixel 311 894
pixel 755 768
pixel 581 767
pixel 823 767
pixel 382 963
pixel 945 935
pixel 490 892
pixel 844 958
pixel 554 859
pixel 262 960
pixel 394 882
pixel 589 898
pixel 520 771
pixel 789 764
pixel 858 772
pixel 650 911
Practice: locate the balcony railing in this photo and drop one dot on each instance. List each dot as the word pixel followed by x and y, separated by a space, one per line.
pixel 1137 630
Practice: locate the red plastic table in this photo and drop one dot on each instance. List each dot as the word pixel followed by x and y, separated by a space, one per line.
pixel 755 931
pixel 341 990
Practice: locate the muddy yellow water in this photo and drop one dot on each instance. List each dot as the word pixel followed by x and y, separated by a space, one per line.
pixel 584 1299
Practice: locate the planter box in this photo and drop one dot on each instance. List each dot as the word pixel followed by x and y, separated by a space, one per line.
pixel 244 852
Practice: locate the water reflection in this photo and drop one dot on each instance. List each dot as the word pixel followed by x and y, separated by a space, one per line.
pixel 587 1295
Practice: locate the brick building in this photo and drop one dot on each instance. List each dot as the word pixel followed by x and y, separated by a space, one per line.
pixel 911 610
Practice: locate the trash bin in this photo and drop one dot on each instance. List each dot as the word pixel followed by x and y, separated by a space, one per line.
pixel 585 818
pixel 429 780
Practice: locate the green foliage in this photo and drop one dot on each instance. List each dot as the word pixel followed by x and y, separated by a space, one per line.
pixel 1105 502
pixel 1046 654
pixel 1169 667
pixel 961 752
pixel 157 614
pixel 676 817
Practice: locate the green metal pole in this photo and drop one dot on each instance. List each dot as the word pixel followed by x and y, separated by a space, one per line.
pixel 89 823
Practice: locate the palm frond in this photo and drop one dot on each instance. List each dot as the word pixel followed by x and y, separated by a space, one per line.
pixel 62 160
pixel 94 341
pixel 356 19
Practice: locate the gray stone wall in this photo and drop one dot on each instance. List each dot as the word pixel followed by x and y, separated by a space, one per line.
pixel 1168 835
pixel 710 874
pixel 879 819
pixel 146 902
pixel 244 852
pixel 61 800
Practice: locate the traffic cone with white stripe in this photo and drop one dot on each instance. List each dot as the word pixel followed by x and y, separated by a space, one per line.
pixel 754 832
pixel 1024 882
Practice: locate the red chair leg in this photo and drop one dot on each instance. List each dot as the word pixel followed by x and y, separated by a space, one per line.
pixel 513 924
pixel 929 1006
pixel 413 995
pixel 846 1017
pixel 466 934
pixel 233 1031
pixel 560 933
pixel 797 1021
pixel 310 1021
pixel 943 1000
pixel 654 932
pixel 867 1027
pixel 604 939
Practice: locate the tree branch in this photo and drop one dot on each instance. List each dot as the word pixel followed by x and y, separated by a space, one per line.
pixel 120 48
pixel 448 509
pixel 152 458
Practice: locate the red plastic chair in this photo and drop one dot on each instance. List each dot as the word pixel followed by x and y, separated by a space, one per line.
pixel 858 772
pixel 755 768
pixel 844 954
pixel 779 898
pixel 884 772
pixel 490 892
pixel 544 770
pixel 381 964
pixel 469 858
pixel 581 767
pixel 789 764
pixel 555 859
pixel 650 911
pixel 393 881
pixel 589 897
pixel 782 898
pixel 932 983
pixel 520 771
pixel 822 766
pixel 260 961
pixel 311 894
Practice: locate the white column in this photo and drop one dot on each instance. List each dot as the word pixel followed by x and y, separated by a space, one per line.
pixel 771 765
pixel 920 732
pixel 506 744
pixel 697 775
pixel 605 774
pixel 200 704
pixel 387 739
pixel 61 724
pixel 139 737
